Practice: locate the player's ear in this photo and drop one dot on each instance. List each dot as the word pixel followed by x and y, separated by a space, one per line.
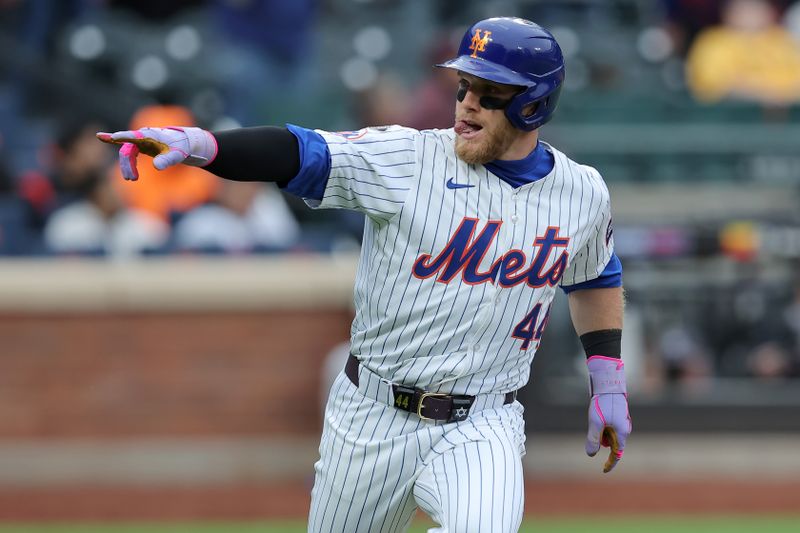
pixel 530 109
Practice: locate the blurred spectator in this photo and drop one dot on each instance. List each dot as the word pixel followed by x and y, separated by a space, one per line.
pixel 14 214
pixel 37 197
pixel 246 216
pixel 749 57
pixel 78 163
pixel 170 192
pixel 384 103
pixel 684 358
pixel 748 324
pixel 432 100
pixel 101 224
pixel 73 165
pixel 778 355
pixel 769 361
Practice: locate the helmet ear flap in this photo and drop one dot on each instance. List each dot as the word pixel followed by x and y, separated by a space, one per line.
pixel 519 114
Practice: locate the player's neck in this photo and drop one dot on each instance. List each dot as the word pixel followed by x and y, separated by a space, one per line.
pixel 522 146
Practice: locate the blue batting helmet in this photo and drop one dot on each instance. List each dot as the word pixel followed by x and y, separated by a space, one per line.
pixel 515 51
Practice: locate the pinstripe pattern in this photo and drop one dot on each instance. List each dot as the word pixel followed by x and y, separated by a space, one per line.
pixel 454 337
pixel 476 486
pixel 377 464
pixel 473 334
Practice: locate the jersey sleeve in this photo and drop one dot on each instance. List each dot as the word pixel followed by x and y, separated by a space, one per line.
pixel 371 170
pixel 593 258
pixel 610 277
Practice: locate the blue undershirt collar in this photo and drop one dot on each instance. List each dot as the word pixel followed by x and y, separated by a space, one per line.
pixel 519 172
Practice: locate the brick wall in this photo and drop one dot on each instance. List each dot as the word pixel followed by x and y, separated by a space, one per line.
pixel 164 374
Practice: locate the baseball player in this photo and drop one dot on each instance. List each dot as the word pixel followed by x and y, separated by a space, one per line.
pixel 469 232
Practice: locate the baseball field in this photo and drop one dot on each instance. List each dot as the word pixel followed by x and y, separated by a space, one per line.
pixel 600 524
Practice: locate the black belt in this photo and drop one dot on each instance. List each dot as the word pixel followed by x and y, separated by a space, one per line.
pixel 426 405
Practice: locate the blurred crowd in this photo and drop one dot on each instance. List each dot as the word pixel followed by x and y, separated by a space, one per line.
pixel 74 67
pixel 750 53
pixel 753 332
pixel 71 68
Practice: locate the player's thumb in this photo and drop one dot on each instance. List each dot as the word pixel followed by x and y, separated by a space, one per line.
pixel 171 158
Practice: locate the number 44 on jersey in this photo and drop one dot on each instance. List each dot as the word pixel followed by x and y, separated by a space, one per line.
pixel 527 331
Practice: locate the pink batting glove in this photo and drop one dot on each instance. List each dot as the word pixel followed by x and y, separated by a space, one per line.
pixel 167 146
pixel 609 419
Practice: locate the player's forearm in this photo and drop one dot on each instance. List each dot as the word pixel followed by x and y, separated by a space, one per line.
pixel 596 309
pixel 597 316
pixel 264 153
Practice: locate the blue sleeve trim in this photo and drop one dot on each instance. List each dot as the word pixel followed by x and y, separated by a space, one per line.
pixel 610 277
pixel 315 164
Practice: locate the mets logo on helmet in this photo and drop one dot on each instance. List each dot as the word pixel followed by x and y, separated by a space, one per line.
pixel 479 43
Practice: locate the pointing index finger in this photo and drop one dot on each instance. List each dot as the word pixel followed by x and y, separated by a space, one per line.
pixel 120 137
pixel 147 145
pixel 106 138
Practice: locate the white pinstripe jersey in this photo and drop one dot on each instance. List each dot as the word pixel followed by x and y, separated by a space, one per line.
pixel 458 268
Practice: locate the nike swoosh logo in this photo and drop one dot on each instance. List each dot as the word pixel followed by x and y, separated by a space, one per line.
pixel 452 185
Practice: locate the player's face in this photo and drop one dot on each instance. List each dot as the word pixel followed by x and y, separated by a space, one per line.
pixel 482 134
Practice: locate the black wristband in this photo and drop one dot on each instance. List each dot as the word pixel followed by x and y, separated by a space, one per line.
pixel 605 342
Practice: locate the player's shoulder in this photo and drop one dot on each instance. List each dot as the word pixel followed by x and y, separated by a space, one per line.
pixel 443 140
pixel 573 170
pixel 390 133
pixel 447 134
pixel 370 134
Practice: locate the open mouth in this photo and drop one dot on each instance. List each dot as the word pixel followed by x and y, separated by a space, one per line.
pixel 467 128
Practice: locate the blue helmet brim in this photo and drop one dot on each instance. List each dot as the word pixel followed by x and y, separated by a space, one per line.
pixel 486 70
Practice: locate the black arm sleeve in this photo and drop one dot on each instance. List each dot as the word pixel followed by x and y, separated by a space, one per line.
pixel 264 153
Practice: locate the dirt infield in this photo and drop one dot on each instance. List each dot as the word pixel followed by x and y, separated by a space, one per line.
pixel 291 500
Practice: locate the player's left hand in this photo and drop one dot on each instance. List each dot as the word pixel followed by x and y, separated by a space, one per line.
pixel 609 418
pixel 167 146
